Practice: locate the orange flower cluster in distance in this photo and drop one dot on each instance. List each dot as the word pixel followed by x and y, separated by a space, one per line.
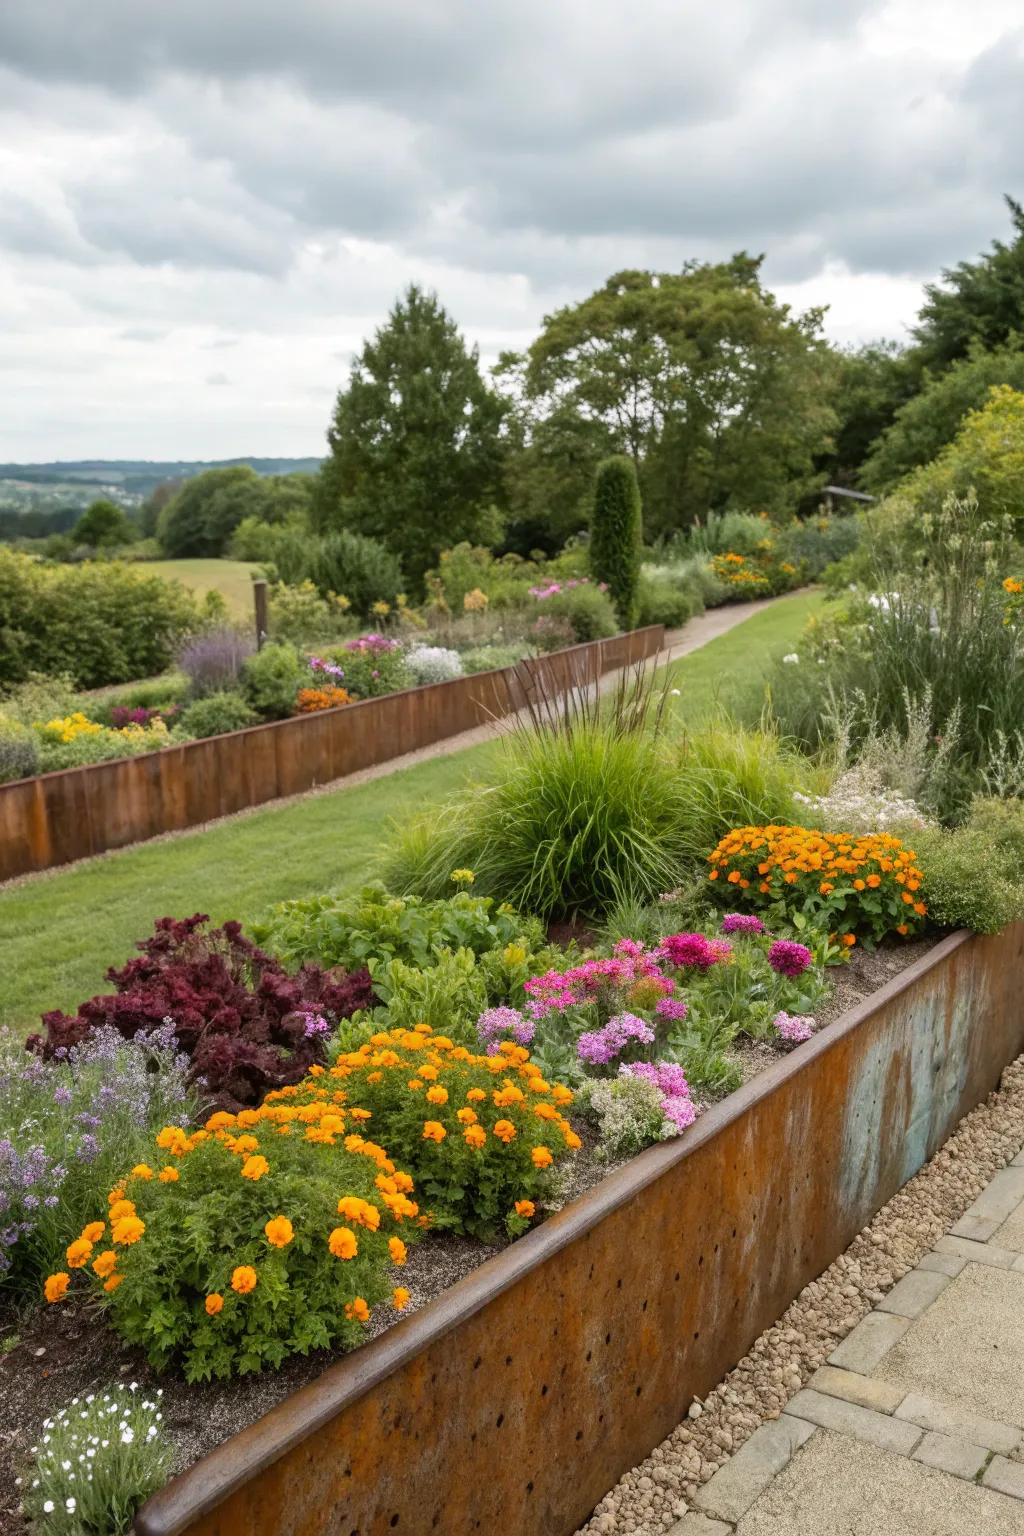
pixel 309 700
pixel 845 884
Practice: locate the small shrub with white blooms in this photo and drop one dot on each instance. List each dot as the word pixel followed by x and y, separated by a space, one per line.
pixel 433 664
pixel 95 1463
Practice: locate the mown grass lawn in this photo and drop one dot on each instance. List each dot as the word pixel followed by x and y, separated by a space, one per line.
pixel 231 578
pixel 60 931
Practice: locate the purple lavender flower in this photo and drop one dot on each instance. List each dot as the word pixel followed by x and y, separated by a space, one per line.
pixel 742 922
pixel 62 1095
pixel 793 1027
pixel 788 958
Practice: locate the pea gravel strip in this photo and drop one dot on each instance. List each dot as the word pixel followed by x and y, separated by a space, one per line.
pixel 650 1499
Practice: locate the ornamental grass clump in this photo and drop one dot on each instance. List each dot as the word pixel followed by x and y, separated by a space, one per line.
pixel 851 886
pixel 97 1460
pixel 587 808
pixel 477 1133
pixel 262 1235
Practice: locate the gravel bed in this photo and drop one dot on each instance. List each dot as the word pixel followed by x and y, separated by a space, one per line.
pixel 651 1498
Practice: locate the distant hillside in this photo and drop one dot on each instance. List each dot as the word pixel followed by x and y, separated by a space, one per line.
pixel 74 482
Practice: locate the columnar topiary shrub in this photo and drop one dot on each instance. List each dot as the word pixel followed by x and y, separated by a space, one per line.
pixel 615 535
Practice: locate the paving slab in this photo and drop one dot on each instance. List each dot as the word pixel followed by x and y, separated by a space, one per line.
pixel 882 1396
pixel 1000 1198
pixel 958 1457
pixel 851 1419
pixel 934 1415
pixel 967 1350
pixel 978 1253
pixel 873 1337
pixel 914 1293
pixel 736 1485
pixel 696 1524
pixel 835 1486
pixel 1011 1234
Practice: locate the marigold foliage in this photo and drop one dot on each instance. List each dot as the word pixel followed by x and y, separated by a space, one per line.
pixel 226 1273
pixel 476 1132
pixel 854 887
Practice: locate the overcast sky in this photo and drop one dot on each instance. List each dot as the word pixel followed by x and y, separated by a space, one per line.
pixel 205 205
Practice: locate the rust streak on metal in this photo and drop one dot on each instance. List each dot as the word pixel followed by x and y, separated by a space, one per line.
pixel 514 1401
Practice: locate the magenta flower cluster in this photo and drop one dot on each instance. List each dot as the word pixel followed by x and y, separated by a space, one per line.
pixel 553 588
pixel 597 1047
pixel 373 644
pixel 671 1008
pixel 742 922
pixel 670 1080
pixel 497 1024
pixel 328 668
pixel 556 991
pixel 788 958
pixel 694 950
pixel 793 1027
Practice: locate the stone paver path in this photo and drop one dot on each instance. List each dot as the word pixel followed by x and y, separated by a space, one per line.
pixel 915 1426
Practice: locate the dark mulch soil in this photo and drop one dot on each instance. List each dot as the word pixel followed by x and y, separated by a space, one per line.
pixel 66 1351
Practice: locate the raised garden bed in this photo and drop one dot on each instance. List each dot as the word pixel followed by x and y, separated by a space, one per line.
pixel 518 1396
pixel 76 813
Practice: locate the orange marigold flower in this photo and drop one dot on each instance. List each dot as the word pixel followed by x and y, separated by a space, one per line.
pixel 403 1183
pixel 243 1279
pixel 541 1157
pixel 526 1209
pixel 113 1283
pixel 255 1167
pixel 397 1250
pixel 56 1286
pixel 505 1131
pixel 358 1310
pixel 93 1232
pixel 104 1263
pixel 849 939
pixel 433 1130
pixel 437 1095
pixel 361 1114
pixel 279 1231
pixel 400 1298
pixel 466 1116
pixel 127 1231
pixel 571 1139
pixel 121 1208
pixel 342 1243
pixel 142 1171
pixel 474 1136
pixel 360 1211
pixel 214 1303
pixel 169 1175
pixel 475 1095
pixel 78 1253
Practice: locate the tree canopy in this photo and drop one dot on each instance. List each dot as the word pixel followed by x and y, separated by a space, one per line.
pixel 716 391
pixel 200 518
pixel 975 303
pixel 102 525
pixel 416 446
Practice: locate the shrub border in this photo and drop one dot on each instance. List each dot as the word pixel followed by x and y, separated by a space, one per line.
pixel 76 813
pixel 517 1398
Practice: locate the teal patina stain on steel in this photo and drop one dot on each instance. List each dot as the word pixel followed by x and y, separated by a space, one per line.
pixel 901 1100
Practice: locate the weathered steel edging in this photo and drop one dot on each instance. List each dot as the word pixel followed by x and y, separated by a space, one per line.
pixel 516 1399
pixel 76 813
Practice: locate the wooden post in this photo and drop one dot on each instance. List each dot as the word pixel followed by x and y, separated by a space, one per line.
pixel 259 592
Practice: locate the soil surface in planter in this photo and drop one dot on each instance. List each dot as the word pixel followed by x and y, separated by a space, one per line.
pixel 51 1355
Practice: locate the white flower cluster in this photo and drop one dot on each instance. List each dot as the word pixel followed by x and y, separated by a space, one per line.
pixel 433 664
pixel 102 1454
pixel 858 803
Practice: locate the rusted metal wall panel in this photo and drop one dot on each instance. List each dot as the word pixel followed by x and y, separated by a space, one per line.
pixel 59 817
pixel 513 1402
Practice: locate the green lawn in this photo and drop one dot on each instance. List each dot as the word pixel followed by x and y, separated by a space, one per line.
pixel 231 578
pixel 60 931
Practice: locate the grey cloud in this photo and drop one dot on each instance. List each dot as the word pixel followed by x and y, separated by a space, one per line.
pixel 218 379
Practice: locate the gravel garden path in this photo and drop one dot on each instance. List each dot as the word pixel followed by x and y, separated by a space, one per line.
pixel 889 1399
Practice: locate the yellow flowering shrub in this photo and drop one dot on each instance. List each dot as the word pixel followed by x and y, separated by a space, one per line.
pixel 855 887
pixel 265 1234
pixel 477 1133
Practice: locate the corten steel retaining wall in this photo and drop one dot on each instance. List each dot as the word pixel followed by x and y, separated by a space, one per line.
pixel 515 1400
pixel 56 818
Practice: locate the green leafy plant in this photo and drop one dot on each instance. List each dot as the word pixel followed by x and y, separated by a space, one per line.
pixel 262 1236
pixel 969 879
pixel 216 714
pixel 271 679
pixel 616 534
